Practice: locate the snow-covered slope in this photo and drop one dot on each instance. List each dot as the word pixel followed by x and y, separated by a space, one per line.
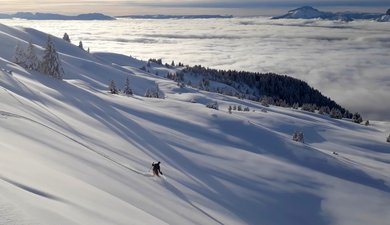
pixel 71 153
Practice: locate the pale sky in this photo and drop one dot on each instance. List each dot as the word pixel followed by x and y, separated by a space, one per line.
pixel 234 7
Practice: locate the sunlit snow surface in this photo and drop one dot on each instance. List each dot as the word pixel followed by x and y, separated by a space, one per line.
pixel 71 153
pixel 346 61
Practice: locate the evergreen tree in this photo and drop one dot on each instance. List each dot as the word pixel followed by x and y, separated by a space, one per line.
pixel 321 110
pixel 367 123
pixel 212 105
pixel 173 63
pixel 66 37
pixel 81 45
pixel 31 59
pixel 230 109
pixel 127 90
pixel 20 55
pixel 335 113
pixel 51 63
pixel 153 92
pixel 357 118
pixel 112 87
pixel 298 136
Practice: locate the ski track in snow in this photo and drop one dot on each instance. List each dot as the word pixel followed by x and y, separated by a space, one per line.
pixel 8 114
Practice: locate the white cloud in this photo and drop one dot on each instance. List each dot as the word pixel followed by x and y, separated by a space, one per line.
pixel 348 62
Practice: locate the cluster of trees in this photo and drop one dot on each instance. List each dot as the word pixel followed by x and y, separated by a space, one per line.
pixel 50 63
pixel 213 105
pixel 67 39
pixel 267 88
pixel 298 136
pixel 126 89
pixel 153 92
pixel 279 89
pixel 238 108
pixel 160 62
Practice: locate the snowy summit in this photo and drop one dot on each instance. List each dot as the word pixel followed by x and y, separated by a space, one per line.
pixel 80 131
pixel 308 12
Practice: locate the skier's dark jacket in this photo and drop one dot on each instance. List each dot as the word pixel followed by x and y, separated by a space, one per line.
pixel 156 168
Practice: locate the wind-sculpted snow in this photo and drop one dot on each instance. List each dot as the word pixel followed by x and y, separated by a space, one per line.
pixel 342 60
pixel 71 153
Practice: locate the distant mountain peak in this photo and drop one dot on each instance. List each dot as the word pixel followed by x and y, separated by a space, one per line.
pixel 308 12
pixel 305 8
pixel 305 12
pixel 53 16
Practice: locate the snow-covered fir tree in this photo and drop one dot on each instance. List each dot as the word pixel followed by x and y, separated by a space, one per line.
pixel 298 136
pixel 213 105
pixel 51 63
pixel 31 58
pixel 357 118
pixel 20 55
pixel 153 92
pixel 112 87
pixel 127 90
pixel 66 37
pixel 335 113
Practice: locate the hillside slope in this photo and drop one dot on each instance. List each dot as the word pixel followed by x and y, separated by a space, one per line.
pixel 71 153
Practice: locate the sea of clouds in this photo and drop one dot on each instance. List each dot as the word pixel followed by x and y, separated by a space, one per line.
pixel 349 62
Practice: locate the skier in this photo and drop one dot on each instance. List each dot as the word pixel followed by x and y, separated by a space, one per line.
pixel 156 169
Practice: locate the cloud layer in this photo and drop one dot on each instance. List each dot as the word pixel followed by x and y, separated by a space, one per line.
pixel 350 62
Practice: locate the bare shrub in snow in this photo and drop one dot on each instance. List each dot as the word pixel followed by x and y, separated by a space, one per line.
pixel 298 136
